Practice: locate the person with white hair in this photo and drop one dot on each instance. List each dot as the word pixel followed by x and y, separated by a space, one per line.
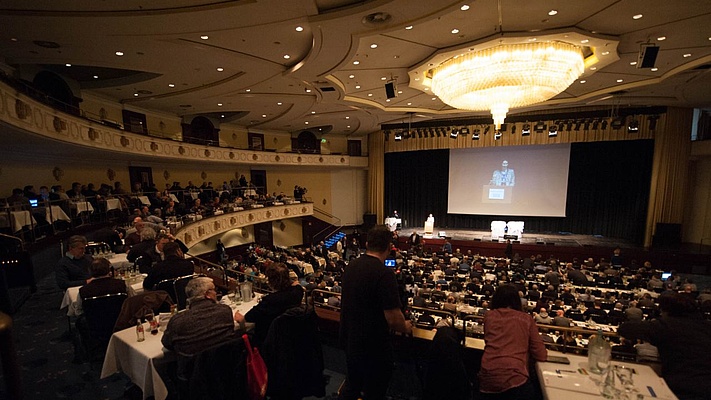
pixel 204 324
pixel 504 176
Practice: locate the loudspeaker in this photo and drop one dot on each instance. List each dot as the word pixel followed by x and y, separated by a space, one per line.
pixel 390 90
pixel 647 55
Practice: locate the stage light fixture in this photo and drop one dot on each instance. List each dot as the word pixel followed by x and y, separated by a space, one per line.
pixel 513 129
pixel 454 133
pixel 464 130
pixel 586 125
pixel 595 124
pixel 653 122
pixel 398 136
pixel 419 133
pixel 633 126
pixel 578 124
pixel 487 129
pixel 604 124
pixel 497 135
pixel 526 130
pixel 553 131
pixel 569 126
pixel 475 135
pixel 617 123
pixel 540 127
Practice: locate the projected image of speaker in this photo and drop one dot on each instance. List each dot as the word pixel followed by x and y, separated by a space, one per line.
pixel 391 89
pixel 647 55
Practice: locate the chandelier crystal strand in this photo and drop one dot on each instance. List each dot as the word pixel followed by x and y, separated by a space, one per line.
pixel 507 76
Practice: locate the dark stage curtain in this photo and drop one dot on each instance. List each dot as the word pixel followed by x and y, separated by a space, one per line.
pixel 608 191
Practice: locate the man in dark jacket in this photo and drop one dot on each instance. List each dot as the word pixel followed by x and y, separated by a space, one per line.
pixel 174 266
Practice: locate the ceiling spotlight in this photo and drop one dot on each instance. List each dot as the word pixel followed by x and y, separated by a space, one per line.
pixel 578 124
pixel 595 124
pixel 604 124
pixel 497 135
pixel 586 125
pixel 487 129
pixel 513 129
pixel 553 130
pixel 633 126
pixel 204 37
pixel 398 136
pixel 540 127
pixel 569 126
pixel 454 134
pixel 653 122
pixel 526 130
pixel 464 131
pixel 475 135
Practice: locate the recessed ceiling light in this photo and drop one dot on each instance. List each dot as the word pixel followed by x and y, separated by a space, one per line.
pixel 662 38
pixel 532 39
pixel 96 76
pixel 135 95
pixel 222 115
pixel 351 76
pixel 119 53
pixel 583 81
pixel 637 16
pixel 308 90
pixel 370 94
pixel 585 41
pixel 357 86
pixel 313 112
pixel 356 62
pixel 687 55
pixel 552 12
pixel 248 90
pixel 417 79
pixel 264 115
pixel 13 39
pixel 434 98
pixel 68 65
pixel 464 7
pixel 593 68
pixel 654 69
pixel 604 53
pixel 374 46
pixel 306 123
pixel 427 89
pixel 299 28
pixel 204 37
pixel 219 104
pixel 279 103
pixel 382 78
pixel 220 69
pixel 410 27
pixel 348 117
pixel 633 63
pixel 620 81
pixel 399 92
pixel 387 100
pixel 171 85
pixel 348 126
pixel 286 56
pixel 409 104
pixel 455 31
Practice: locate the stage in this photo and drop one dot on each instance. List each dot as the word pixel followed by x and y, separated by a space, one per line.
pixel 560 239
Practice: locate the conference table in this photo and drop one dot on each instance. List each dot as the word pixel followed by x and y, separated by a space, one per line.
pixel 575 381
pixel 146 362
pixel 55 213
pixel 17 220
pixel 113 204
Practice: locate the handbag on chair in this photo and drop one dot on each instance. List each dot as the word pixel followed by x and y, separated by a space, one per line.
pixel 256 372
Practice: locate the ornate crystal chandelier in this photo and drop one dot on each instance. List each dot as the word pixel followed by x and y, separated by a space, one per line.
pixel 507 76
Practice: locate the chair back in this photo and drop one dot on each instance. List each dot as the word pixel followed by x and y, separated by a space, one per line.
pixel 167 286
pixel 219 372
pixel 137 306
pixel 179 284
pixel 143 264
pixel 101 313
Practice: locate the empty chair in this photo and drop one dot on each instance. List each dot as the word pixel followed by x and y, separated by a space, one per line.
pixel 97 324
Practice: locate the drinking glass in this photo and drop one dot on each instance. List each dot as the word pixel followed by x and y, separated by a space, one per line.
pixel 624 374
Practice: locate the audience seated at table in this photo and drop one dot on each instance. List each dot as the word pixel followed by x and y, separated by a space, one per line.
pixel 174 266
pixel 204 324
pixel 74 268
pixel 285 296
pixel 102 282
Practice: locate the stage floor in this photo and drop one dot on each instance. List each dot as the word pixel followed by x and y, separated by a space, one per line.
pixel 568 239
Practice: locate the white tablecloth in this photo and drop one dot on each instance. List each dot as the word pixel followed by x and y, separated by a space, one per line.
pixel 574 381
pixel 172 197
pixel 144 200
pixel 19 219
pixel 113 204
pixel 82 206
pixel 144 362
pixel 56 214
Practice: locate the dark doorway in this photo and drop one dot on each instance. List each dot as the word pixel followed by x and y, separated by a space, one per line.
pixel 256 141
pixel 135 122
pixel 306 142
pixel 263 234
pixel 59 94
pixel 142 175
pixel 201 131
pixel 258 177
pixel 354 148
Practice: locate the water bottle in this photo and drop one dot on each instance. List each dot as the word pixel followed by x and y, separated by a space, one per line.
pixel 140 333
pixel 246 291
pixel 599 354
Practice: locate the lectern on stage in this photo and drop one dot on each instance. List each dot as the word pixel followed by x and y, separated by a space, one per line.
pixel 496 194
pixel 429 225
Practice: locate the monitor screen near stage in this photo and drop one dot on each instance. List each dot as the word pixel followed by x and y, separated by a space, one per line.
pixel 514 181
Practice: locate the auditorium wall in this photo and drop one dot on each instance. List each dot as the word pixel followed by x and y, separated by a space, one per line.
pixel 697 219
